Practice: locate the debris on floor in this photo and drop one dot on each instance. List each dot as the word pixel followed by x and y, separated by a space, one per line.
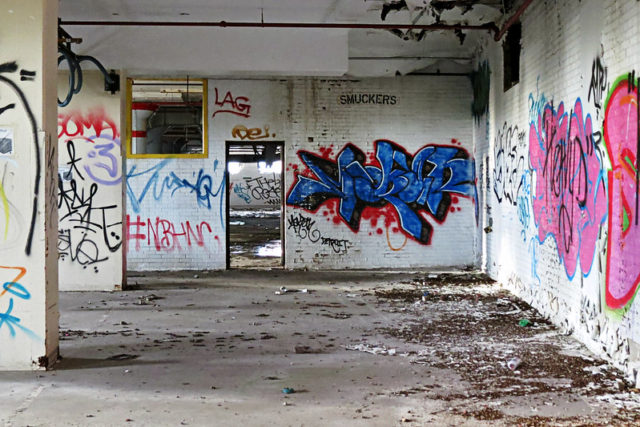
pixel 372 348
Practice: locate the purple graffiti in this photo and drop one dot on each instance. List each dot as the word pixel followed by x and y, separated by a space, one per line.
pixel 570 201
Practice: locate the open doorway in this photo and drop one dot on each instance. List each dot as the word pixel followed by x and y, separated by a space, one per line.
pixel 255 235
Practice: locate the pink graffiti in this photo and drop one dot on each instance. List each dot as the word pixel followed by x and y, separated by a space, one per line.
pixel 621 136
pixel 569 203
pixel 164 234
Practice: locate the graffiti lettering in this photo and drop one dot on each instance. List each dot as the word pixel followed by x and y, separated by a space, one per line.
pixel 167 236
pixel 13 287
pixel 239 106
pixel 242 192
pixel 304 228
pixel 12 67
pixel 87 232
pixel 510 163
pixel 264 188
pixel 570 201
pixel 202 188
pixel 337 245
pixel 252 134
pixel 411 184
pixel 598 85
pixel 536 103
pixel 622 136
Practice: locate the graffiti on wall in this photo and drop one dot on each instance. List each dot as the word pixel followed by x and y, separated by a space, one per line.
pixel 238 105
pixel 165 235
pixel 305 228
pixel 598 85
pixel 262 189
pixel 9 68
pixel 622 138
pixel 569 202
pixel 13 288
pixel 510 165
pixel 536 102
pixel 89 230
pixel 425 182
pixel 252 134
pixel 159 182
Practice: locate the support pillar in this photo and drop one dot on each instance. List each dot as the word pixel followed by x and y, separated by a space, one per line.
pixel 28 184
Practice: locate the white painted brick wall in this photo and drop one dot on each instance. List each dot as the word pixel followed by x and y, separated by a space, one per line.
pixel 559 44
pixel 428 110
pixel 306 115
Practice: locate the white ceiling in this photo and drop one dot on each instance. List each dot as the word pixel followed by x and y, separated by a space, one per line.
pixel 207 51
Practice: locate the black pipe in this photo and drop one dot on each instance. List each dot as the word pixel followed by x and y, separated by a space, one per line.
pixel 491 27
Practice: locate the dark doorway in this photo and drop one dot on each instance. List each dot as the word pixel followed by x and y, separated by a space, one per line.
pixel 255 235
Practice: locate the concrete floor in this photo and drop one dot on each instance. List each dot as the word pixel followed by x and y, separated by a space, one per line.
pixel 359 348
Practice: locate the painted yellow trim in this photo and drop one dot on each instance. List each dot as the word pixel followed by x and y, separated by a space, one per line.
pixel 205 122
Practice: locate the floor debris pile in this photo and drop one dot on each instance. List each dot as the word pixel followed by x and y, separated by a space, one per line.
pixel 357 348
pixel 471 325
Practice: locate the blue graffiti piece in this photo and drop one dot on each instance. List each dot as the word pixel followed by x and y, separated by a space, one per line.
pixel 411 184
pixel 13 322
pixel 17 289
pixel 242 193
pixel 203 187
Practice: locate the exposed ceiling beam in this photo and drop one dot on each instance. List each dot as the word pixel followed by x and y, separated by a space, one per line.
pixel 491 27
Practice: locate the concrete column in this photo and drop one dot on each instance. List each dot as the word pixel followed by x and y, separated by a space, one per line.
pixel 28 184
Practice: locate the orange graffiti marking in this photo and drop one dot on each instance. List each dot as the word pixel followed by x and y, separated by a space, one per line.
pixel 252 134
pixel 20 275
pixel 406 239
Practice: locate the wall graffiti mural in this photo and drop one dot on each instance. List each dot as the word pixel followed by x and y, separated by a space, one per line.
pixel 90 228
pixel 622 138
pixel 238 106
pixel 305 228
pixel 28 76
pixel 159 182
pixel 427 182
pixel 10 277
pixel 510 165
pixel 165 235
pixel 569 202
pixel 598 85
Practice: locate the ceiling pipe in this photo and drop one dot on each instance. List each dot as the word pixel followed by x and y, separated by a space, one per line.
pixel 491 27
pixel 512 20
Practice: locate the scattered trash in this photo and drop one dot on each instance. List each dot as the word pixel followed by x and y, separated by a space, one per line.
pixel 195 276
pixel 372 349
pixel 288 390
pixel 425 294
pixel 147 299
pixel 284 290
pixel 524 322
pixel 123 356
pixel 305 349
pixel 514 363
